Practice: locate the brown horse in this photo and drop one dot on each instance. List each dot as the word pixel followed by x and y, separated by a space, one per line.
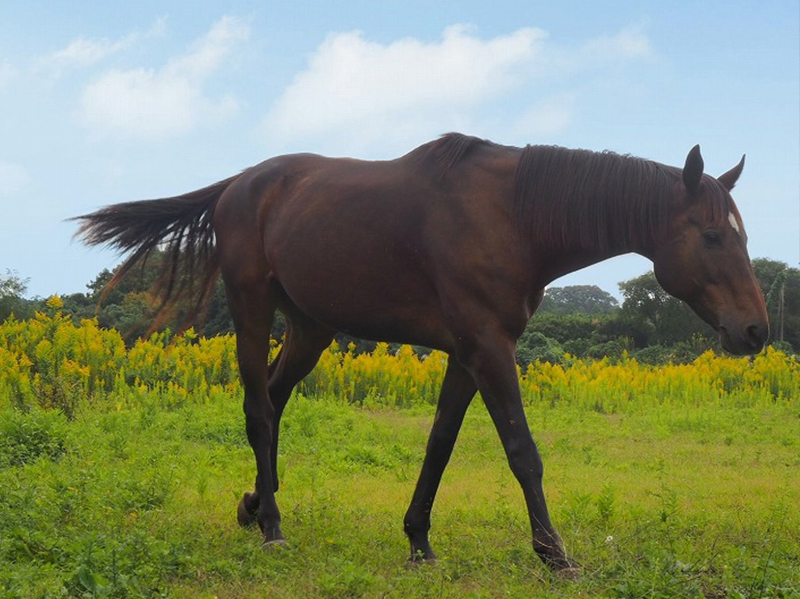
pixel 449 246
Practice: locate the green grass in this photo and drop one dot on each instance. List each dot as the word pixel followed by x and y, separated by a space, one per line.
pixel 674 502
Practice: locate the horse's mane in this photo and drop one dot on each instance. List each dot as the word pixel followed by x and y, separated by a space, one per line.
pixel 449 150
pixel 578 198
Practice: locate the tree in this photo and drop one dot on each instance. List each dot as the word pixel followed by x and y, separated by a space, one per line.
pixel 218 319
pixel 671 320
pixel 781 287
pixel 583 299
pixel 534 346
pixel 625 325
pixel 563 328
pixel 12 290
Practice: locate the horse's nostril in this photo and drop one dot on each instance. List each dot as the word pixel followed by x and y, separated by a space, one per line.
pixel 757 335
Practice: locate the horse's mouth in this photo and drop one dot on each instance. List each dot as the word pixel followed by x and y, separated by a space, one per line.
pixel 737 336
pixel 751 341
pixel 725 341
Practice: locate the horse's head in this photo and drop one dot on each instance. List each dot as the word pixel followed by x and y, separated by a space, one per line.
pixel 704 262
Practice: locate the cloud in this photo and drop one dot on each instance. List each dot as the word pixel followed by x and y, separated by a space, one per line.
pixel 83 52
pixel 351 82
pixel 357 90
pixel 13 177
pixel 631 42
pixel 153 104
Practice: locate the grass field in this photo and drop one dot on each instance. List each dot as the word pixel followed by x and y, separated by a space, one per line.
pixel 139 500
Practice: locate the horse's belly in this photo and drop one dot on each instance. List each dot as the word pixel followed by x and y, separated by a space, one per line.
pixel 368 288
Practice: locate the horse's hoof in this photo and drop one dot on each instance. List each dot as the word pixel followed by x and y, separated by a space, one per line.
pixel 571 573
pixel 420 558
pixel 245 517
pixel 559 564
pixel 274 544
pixel 273 537
pixel 412 563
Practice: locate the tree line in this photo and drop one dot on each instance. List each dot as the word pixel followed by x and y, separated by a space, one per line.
pixel 580 320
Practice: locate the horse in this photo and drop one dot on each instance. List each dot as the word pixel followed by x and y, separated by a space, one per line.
pixel 449 246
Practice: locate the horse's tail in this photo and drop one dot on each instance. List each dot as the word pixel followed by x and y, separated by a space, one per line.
pixel 181 226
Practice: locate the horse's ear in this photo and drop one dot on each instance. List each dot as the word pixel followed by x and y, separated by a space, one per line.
pixel 729 179
pixel 693 170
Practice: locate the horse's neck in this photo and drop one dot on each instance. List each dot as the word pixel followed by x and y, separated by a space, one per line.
pixel 550 265
pixel 552 259
pixel 576 208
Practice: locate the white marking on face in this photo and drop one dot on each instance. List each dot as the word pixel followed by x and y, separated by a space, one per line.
pixel 734 223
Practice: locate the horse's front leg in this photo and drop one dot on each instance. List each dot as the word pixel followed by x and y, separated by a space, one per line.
pixel 492 363
pixel 458 388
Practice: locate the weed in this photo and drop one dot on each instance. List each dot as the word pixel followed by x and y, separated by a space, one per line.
pixel 347 580
pixel 605 504
pixel 24 437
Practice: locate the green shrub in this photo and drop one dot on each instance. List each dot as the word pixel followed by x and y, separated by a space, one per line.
pixel 24 437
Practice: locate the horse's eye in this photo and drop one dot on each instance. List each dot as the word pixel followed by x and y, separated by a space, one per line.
pixel 712 238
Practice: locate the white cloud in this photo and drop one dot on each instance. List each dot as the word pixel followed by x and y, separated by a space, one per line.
pixel 207 53
pixel 13 177
pixel 628 43
pixel 352 83
pixel 83 52
pixel 150 104
pixel 359 91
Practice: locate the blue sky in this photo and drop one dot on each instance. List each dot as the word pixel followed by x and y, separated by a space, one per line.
pixel 108 102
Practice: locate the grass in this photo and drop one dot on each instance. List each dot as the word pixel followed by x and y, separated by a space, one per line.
pixel 140 502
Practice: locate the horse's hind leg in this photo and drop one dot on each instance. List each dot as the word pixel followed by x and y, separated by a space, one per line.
pixel 304 343
pixel 253 308
pixel 457 391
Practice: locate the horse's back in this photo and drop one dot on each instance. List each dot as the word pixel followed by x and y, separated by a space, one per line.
pixel 344 239
pixel 377 249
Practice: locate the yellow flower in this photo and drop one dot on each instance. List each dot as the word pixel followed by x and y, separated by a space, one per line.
pixel 54 302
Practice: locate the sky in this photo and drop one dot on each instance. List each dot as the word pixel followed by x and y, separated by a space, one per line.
pixel 108 102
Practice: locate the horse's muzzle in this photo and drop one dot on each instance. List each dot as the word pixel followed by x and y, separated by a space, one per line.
pixel 749 339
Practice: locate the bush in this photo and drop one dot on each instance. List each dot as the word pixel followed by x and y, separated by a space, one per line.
pixel 535 347
pixel 613 350
pixel 26 437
